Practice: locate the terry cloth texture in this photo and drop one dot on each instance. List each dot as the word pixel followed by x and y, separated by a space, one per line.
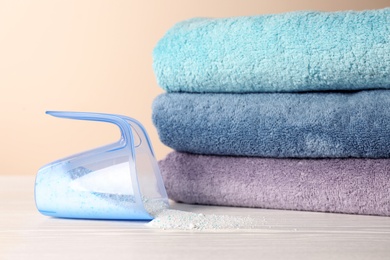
pixel 358 186
pixel 314 125
pixel 290 52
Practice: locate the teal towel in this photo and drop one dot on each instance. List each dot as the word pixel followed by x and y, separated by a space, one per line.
pixel 289 52
pixel 315 125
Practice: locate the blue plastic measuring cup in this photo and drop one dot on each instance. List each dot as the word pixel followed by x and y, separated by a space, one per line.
pixel 116 181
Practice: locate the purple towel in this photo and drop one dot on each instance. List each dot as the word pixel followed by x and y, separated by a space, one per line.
pixel 355 186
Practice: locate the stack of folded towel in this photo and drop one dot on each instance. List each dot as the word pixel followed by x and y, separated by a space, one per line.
pixel 285 111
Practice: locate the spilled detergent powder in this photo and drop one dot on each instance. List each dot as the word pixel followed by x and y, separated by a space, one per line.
pixel 182 220
pixel 170 219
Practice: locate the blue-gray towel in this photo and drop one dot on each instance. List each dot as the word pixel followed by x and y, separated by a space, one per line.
pixel 314 125
pixel 289 52
pixel 358 186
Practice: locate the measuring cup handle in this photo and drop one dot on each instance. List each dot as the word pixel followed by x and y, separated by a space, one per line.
pixel 141 131
pixel 125 129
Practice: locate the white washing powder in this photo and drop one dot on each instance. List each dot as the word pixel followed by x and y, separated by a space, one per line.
pixel 170 219
pixel 182 220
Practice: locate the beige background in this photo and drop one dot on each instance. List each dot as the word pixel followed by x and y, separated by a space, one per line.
pixel 95 56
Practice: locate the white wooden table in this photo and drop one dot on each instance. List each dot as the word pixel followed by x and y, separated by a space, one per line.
pixel 26 234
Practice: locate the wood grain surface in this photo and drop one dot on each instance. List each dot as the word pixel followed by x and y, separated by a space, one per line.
pixel 26 234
